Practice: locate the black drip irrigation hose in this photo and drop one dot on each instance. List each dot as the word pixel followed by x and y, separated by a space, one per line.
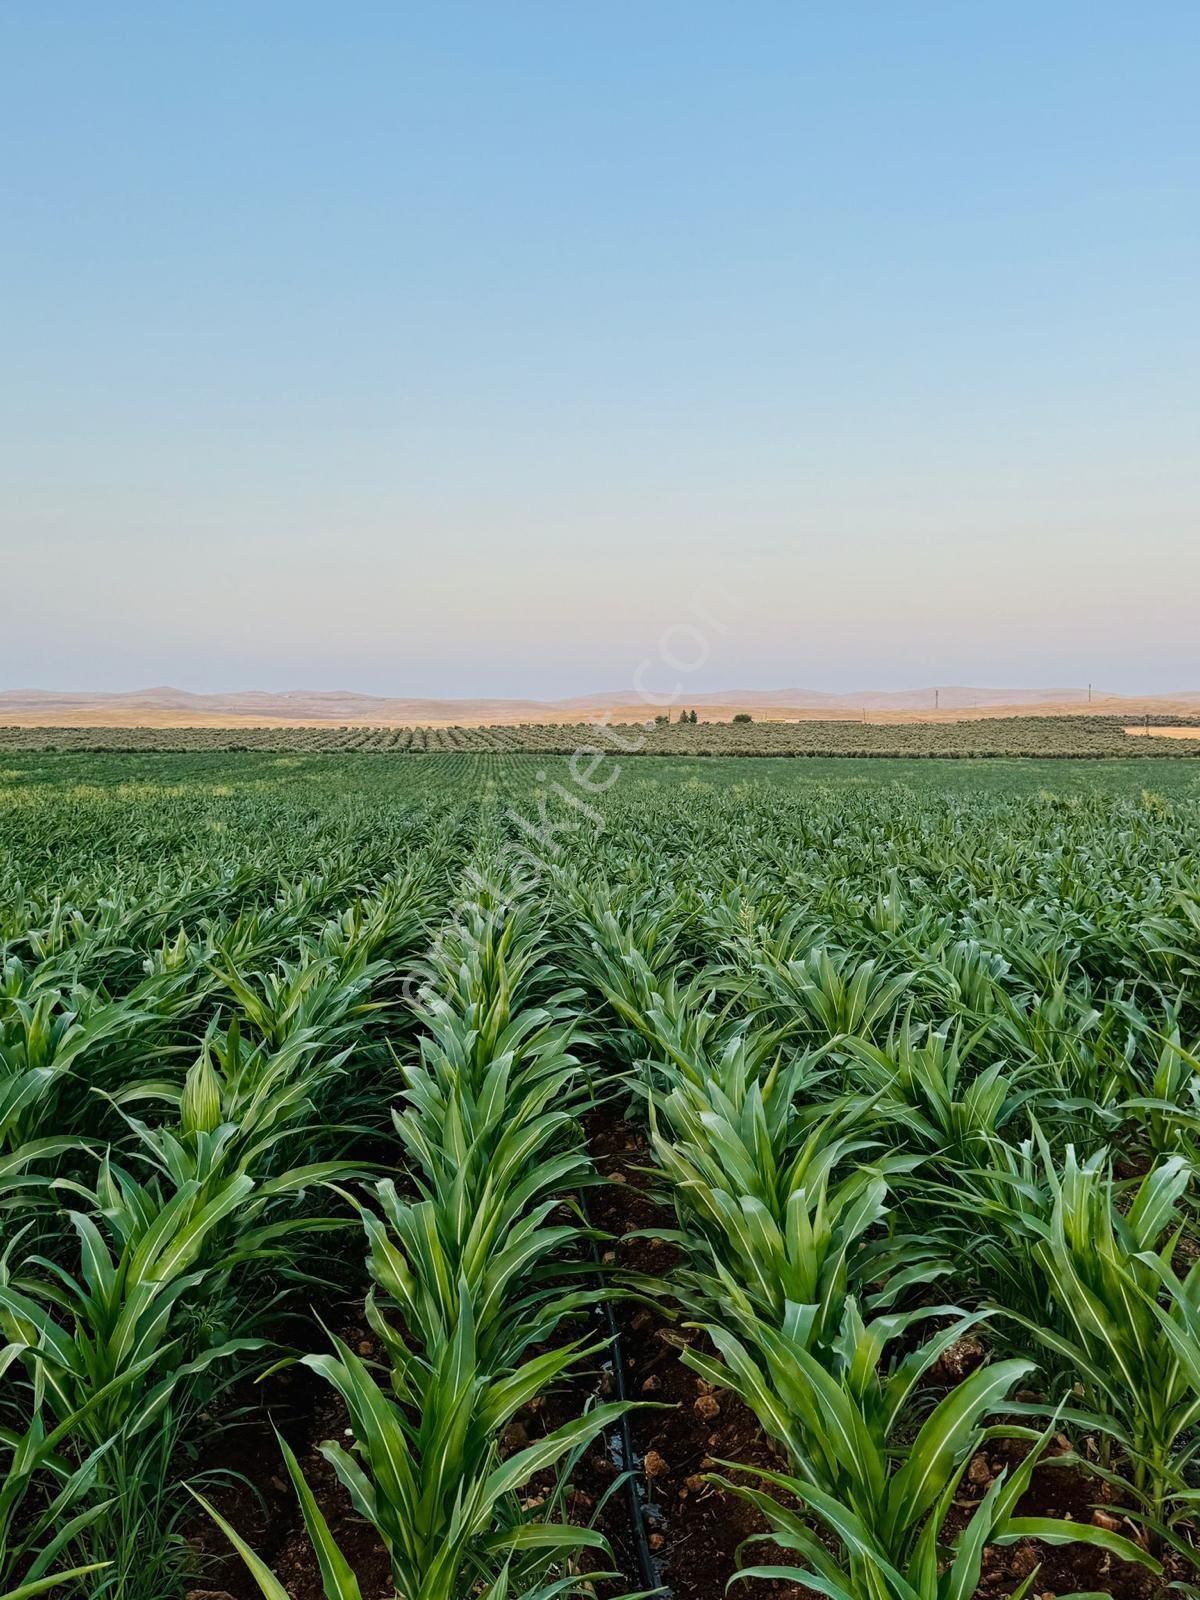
pixel 646 1516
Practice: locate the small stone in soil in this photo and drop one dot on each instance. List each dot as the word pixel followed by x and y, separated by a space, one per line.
pixel 1025 1559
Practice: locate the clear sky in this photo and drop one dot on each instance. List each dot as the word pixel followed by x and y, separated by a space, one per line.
pixel 447 348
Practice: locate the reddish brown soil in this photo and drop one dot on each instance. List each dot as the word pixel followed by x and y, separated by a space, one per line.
pixel 266 1514
pixel 1069 1493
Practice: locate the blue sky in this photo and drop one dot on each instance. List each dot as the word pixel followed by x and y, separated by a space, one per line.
pixel 469 348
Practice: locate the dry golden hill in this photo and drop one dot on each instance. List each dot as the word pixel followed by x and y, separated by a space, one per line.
pixel 178 708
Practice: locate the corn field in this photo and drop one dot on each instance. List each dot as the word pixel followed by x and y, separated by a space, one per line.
pixel 419 1184
pixel 1100 737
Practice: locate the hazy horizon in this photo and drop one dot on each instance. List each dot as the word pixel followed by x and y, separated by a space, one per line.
pixel 690 686
pixel 468 351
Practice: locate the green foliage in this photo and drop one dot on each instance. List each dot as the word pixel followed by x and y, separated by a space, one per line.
pixel 251 1007
pixel 742 735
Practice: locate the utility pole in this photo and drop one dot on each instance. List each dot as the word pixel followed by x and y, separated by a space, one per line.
pixel 1089 694
pixel 937 697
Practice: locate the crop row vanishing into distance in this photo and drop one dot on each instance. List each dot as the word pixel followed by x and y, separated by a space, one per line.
pixel 417 1181
pixel 993 736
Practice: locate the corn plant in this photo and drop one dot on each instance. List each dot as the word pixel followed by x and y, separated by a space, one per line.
pixel 841 1422
pixel 43 1038
pixel 1164 1104
pixel 1123 1323
pixel 924 1090
pixel 776 1198
pixel 117 1353
pixel 834 996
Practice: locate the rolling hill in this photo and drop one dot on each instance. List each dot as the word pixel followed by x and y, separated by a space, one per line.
pixel 166 706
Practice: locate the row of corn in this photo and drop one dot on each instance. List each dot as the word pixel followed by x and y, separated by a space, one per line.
pixel 479 1278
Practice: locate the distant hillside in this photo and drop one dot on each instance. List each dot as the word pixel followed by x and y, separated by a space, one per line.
pixel 948 698
pixel 256 705
pixel 166 706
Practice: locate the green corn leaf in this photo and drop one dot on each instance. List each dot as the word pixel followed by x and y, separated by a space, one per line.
pixel 200 1105
pixel 337 1579
pixel 945 1437
pixel 27 1591
pixel 269 1585
pixel 522 1465
pixel 1050 1531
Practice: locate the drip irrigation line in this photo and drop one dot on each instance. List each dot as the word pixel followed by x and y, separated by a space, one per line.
pixel 623 1451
